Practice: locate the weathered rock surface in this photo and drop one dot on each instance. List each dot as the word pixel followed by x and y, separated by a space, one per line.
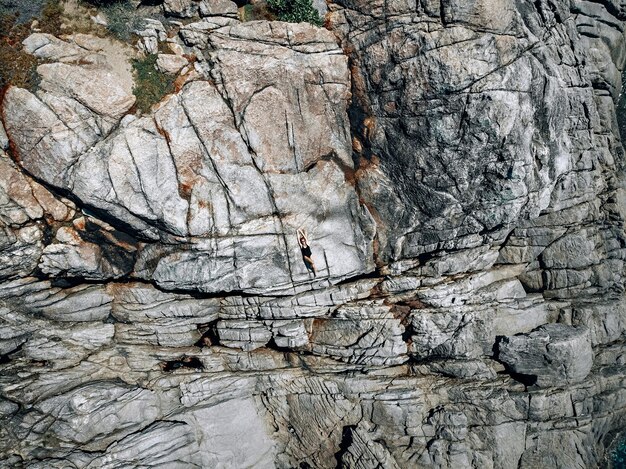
pixel 192 8
pixel 227 189
pixel 459 170
pixel 553 354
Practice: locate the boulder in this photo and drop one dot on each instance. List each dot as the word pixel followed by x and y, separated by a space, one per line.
pixel 218 8
pixel 551 355
pixel 171 63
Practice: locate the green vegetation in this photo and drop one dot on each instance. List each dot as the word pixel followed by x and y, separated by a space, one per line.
pixel 122 18
pixel 150 84
pixel 16 66
pixel 256 11
pixel 51 18
pixel 295 11
pixel 247 12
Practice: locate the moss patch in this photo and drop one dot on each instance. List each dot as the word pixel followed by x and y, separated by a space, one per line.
pixel 151 85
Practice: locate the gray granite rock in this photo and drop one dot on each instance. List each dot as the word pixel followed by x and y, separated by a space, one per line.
pixel 459 169
pixel 180 8
pixel 171 63
pixel 214 183
pixel 4 140
pixel 246 335
pixel 554 354
pixel 218 8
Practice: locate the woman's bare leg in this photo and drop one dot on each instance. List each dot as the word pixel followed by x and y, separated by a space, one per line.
pixel 311 265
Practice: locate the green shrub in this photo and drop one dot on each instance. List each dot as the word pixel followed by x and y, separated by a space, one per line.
pixel 256 11
pixel 122 19
pixel 247 12
pixel 151 85
pixel 295 11
pixel 125 17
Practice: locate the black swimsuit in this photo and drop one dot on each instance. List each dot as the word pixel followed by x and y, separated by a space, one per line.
pixel 306 251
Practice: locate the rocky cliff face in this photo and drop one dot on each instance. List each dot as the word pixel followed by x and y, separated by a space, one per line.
pixel 459 170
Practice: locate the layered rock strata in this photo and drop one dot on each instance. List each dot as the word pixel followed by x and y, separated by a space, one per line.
pixel 459 170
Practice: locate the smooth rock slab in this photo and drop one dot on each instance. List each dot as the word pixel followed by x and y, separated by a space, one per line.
pixel 555 354
pixel 74 109
pixel 100 413
pixel 223 174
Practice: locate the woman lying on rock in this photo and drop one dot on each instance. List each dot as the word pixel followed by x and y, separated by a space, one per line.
pixel 305 249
